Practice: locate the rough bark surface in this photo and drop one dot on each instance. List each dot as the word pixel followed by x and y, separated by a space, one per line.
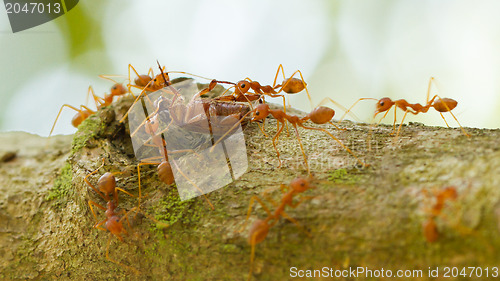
pixel 370 217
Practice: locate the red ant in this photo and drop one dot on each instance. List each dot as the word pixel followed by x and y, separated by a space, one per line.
pixel 439 104
pixel 260 228
pixel 320 115
pixel 113 223
pixel 429 227
pixel 290 86
pixel 84 112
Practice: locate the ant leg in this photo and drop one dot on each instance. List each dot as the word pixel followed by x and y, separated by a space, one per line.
pixel 449 110
pixel 337 127
pixel 187 73
pixel 429 89
pixel 461 128
pixel 97 100
pixel 275 138
pixel 280 67
pixel 402 121
pixel 122 190
pixel 227 90
pixel 108 77
pixel 136 73
pixel 99 225
pixel 192 183
pixel 442 116
pixel 135 101
pixel 302 148
pixel 327 99
pixel 116 262
pixel 394 124
pixel 262 129
pixel 60 110
pixel 338 141
pixel 92 209
pixel 400 125
pixel 352 106
pixel 294 221
pixel 252 255
pixel 252 200
pixel 368 138
pixel 284 110
pixel 301 200
pixel 93 187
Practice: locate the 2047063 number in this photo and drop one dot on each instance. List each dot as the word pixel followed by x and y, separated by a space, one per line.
pixel 33 8
pixel 471 271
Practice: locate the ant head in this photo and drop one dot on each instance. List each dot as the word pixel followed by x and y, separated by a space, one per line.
pixel 243 86
pixel 383 104
pixel 118 90
pixel 300 184
pixel 261 111
pixel 114 225
pixel 159 81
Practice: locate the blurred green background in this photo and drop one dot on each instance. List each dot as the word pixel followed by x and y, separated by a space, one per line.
pixel 345 49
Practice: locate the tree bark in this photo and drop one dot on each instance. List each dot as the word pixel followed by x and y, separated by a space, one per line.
pixel 359 217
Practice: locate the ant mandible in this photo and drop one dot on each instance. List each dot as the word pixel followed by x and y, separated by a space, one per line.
pixel 260 228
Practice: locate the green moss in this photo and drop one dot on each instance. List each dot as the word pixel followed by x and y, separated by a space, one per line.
pixel 342 176
pixel 62 187
pixel 87 130
pixel 170 209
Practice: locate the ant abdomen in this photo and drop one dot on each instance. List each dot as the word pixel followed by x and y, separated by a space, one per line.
pixel 321 115
pixel 445 104
pixel 107 183
pixel 293 85
pixel 258 232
